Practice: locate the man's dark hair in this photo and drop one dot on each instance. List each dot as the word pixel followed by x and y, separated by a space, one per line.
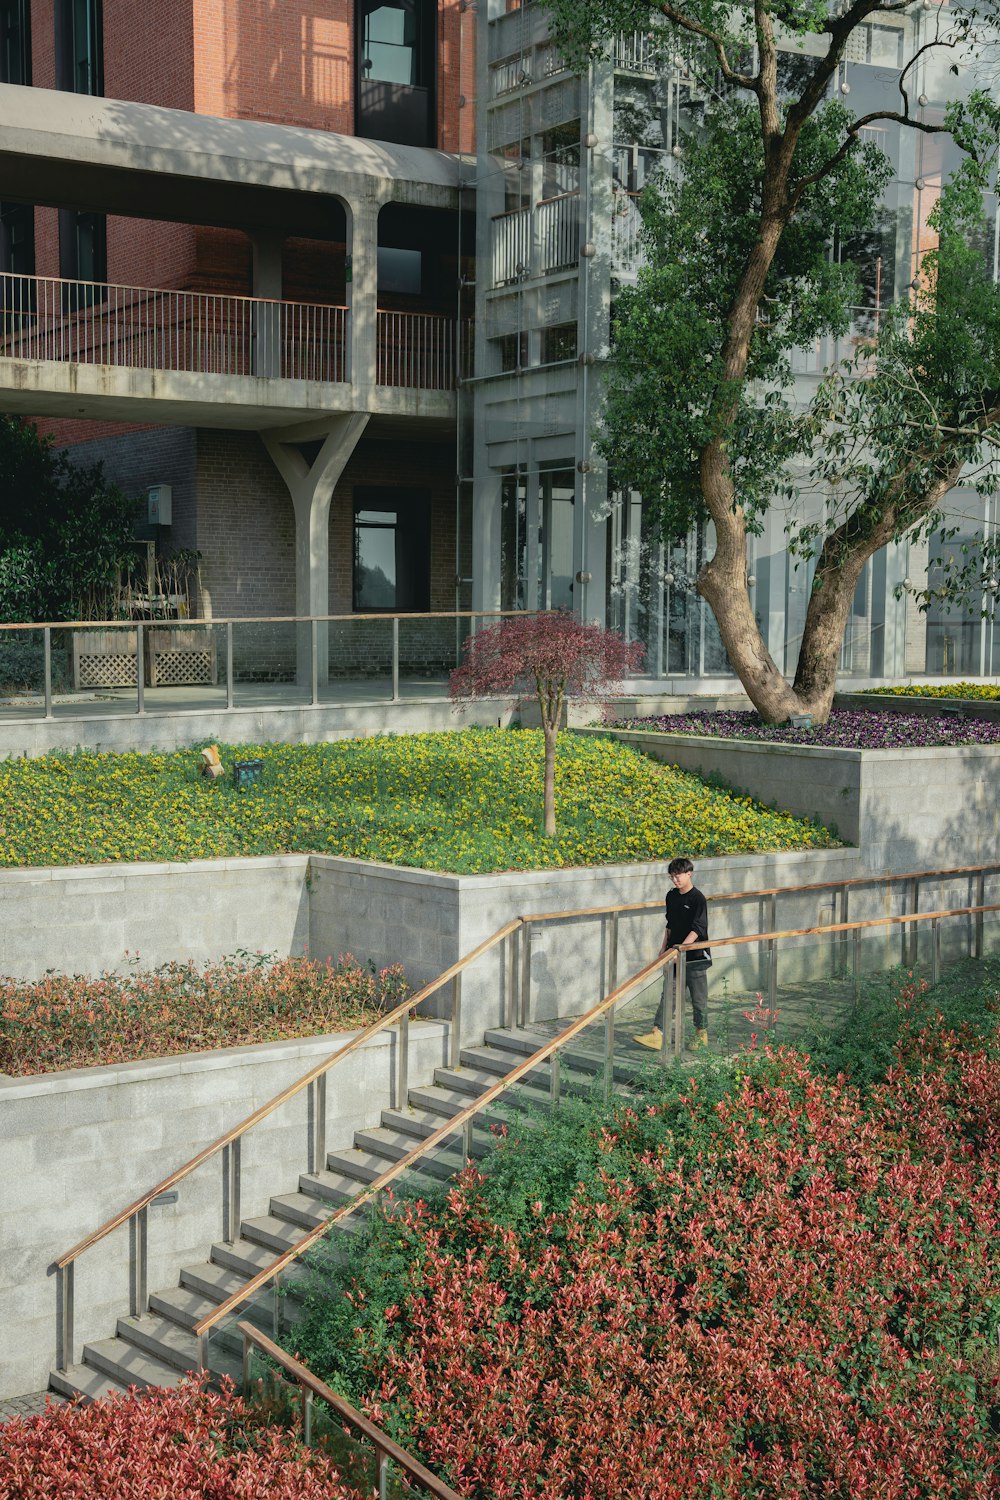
pixel 682 866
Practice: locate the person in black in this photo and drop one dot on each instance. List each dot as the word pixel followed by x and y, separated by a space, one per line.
pixel 686 923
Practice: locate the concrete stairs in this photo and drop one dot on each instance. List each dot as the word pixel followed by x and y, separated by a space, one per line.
pixel 158 1348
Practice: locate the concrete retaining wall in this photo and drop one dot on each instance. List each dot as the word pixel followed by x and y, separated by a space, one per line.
pixel 917 809
pixel 78 1146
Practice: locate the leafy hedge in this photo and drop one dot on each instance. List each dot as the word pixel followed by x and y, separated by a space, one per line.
pixel 188 1444
pixel 72 1021
pixel 771 1282
pixel 984 691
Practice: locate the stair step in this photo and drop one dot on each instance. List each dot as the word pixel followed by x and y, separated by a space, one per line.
pixel 468 1081
pixel 303 1210
pixel 524 1043
pixel 335 1186
pixel 183 1305
pixel 435 1099
pixel 493 1060
pixel 212 1281
pixel 278 1234
pixel 161 1338
pixel 85 1381
pixel 364 1166
pixel 129 1365
pixel 382 1140
pixel 246 1257
pixel 416 1123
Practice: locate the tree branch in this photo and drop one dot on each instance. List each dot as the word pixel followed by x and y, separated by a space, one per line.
pixel 717 42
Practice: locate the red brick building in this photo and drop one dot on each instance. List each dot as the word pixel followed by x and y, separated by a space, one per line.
pixel 243 230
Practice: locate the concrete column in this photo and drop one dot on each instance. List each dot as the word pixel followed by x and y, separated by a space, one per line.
pixel 362 295
pixel 311 486
pixel 267 247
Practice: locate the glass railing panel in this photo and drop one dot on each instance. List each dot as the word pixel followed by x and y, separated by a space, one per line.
pixel 185 665
pixel 429 649
pixel 358 661
pixel 272 662
pixel 22 673
pixel 96 666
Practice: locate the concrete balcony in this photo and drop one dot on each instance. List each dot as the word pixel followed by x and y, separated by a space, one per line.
pixel 144 354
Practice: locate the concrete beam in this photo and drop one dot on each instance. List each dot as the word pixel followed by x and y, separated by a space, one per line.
pixel 179 398
pixel 106 155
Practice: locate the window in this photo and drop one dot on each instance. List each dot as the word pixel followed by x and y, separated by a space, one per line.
pixel 396 62
pixel 400 270
pixel 558 343
pixel 15 41
pixel 80 46
pixel 17 260
pixel 391 550
pixel 83 256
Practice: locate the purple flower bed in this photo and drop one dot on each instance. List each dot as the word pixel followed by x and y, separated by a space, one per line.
pixel 846 729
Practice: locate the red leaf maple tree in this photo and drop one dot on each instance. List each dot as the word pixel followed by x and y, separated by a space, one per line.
pixel 553 656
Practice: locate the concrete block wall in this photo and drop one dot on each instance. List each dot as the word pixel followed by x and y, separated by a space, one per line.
pixel 82 920
pixel 80 1145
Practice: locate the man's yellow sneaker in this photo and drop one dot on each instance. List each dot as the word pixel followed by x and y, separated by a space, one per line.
pixel 697 1042
pixel 653 1039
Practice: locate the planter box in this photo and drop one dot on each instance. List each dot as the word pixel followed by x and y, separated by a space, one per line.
pixel 178 658
pixel 104 658
pixel 933 808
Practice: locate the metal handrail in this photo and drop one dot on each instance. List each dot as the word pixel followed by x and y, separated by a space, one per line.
pixel 310 1385
pixel 184 624
pixel 463 1118
pixel 230 1141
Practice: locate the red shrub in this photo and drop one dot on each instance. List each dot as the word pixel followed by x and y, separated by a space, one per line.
pixel 189 1444
pixel 794 1308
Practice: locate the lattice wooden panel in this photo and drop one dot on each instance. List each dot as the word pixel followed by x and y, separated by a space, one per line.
pixel 106 671
pixel 181 668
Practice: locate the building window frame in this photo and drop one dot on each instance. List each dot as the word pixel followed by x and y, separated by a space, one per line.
pixel 80 46
pixel 391 527
pixel 15 42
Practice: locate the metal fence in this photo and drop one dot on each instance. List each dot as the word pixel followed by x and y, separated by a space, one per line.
pixel 88 322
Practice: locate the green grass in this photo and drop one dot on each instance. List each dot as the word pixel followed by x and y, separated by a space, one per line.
pixel 468 801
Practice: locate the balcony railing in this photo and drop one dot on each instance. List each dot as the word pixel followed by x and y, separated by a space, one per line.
pixel 626 233
pixel 535 243
pixel 417 350
pixel 93 323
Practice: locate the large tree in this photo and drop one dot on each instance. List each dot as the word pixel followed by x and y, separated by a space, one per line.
pixel 701 415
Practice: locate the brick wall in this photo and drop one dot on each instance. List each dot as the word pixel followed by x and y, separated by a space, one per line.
pixel 291 62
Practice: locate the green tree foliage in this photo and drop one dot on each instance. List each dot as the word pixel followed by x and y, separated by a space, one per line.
pixel 701 415
pixel 64 530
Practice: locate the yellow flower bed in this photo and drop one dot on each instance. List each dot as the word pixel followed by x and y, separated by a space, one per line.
pixel 468 801
pixel 985 691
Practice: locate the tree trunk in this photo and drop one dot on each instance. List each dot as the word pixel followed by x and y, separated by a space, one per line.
pixel 550 731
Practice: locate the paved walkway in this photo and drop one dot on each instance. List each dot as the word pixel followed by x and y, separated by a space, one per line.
pixel 27 1406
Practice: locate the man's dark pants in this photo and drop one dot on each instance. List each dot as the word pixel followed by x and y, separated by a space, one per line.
pixel 696 983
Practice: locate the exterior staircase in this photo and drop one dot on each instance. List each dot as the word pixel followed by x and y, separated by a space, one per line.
pixel 159 1348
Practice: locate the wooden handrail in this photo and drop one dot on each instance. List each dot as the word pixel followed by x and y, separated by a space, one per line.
pixel 360 1039
pixel 482 1101
pixel 375 1435
pixel 391 1017
pixel 778 890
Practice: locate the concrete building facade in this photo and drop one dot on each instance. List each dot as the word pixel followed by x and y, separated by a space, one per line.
pixel 247 264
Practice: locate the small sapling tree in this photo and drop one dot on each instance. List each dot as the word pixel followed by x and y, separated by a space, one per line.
pixel 553 656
